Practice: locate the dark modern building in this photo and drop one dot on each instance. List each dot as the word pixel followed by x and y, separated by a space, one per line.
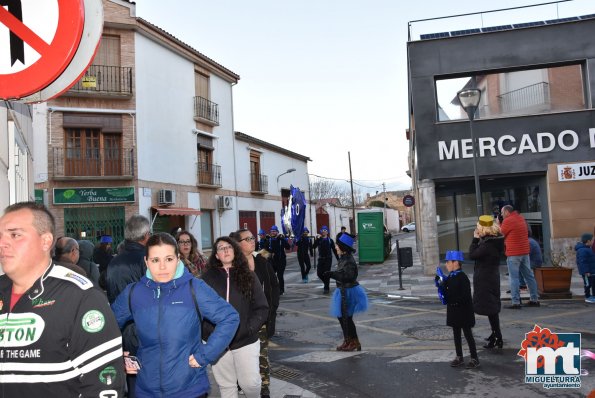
pixel 534 129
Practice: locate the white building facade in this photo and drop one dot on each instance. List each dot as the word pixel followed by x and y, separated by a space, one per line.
pixel 149 130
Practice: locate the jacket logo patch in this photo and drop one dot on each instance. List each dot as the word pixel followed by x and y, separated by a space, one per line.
pixel 38 303
pixel 108 375
pixel 76 277
pixel 108 394
pixel 93 321
pixel 20 330
pixel 177 302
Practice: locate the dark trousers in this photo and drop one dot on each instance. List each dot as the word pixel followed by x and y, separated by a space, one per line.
pixel 588 282
pixel 279 267
pixel 304 261
pixel 324 264
pixel 348 327
pixel 495 325
pixel 459 344
pixel 131 384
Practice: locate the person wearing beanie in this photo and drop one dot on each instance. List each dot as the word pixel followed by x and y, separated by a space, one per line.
pixel 326 249
pixel 276 245
pixel 585 262
pixel 261 242
pixel 304 252
pixel 459 308
pixel 486 249
pixel 85 261
pixel 349 297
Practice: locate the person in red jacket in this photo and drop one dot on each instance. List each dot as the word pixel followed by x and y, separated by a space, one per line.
pixel 516 240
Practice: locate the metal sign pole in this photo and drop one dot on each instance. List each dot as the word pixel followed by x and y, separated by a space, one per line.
pixel 400 270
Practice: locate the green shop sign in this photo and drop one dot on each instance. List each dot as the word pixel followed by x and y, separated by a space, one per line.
pixel 67 196
pixel 39 196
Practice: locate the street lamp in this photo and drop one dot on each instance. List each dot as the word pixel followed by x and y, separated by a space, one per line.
pixel 287 172
pixel 469 99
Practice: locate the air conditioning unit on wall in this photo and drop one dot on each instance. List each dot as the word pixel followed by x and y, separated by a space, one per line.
pixel 225 203
pixel 167 197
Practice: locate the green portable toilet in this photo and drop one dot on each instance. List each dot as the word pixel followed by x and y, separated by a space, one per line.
pixel 370 236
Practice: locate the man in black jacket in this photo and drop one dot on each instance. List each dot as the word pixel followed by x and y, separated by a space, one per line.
pixel 124 269
pixel 60 338
pixel 326 249
pixel 277 245
pixel 304 252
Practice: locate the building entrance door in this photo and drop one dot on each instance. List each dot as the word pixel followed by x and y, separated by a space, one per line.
pixel 456 210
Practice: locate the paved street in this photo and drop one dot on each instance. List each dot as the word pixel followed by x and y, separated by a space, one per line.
pixel 406 345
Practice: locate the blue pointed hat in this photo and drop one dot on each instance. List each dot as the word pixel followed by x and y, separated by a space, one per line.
pixel 454 255
pixel 275 228
pixel 324 228
pixel 346 239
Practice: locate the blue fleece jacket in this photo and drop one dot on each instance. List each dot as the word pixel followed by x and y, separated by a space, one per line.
pixel 169 332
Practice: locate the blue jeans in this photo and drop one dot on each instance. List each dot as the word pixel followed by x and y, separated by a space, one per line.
pixel 520 265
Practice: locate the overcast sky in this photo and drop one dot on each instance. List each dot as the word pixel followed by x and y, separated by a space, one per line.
pixel 324 77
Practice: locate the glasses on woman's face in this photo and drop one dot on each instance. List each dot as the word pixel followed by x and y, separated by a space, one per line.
pixel 184 242
pixel 248 239
pixel 224 248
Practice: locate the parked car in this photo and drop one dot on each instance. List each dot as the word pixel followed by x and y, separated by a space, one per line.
pixel 408 227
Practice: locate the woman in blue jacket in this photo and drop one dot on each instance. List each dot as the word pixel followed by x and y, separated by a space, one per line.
pixel 167 305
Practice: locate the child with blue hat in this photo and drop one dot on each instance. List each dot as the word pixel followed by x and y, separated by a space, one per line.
pixel 456 289
pixel 349 298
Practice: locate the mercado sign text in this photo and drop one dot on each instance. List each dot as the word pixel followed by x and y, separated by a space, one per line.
pixel 507 145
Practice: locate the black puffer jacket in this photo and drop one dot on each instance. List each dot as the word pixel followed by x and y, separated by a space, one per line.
pixel 270 286
pixel 486 273
pixel 253 314
pixel 125 268
pixel 346 272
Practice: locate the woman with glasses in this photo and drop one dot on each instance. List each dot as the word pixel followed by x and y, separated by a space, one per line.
pixel 268 279
pixel 193 259
pixel 229 275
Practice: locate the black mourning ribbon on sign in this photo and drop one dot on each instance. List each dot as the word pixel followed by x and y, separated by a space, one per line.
pixel 17 47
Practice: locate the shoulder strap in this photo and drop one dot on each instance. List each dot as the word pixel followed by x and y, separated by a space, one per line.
pixel 195 302
pixel 130 297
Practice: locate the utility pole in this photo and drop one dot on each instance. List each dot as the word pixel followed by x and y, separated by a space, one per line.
pixel 384 195
pixel 352 196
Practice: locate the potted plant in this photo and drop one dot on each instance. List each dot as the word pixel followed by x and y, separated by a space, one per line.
pixel 554 281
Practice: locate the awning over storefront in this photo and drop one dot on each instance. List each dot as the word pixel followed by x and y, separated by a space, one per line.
pixel 176 211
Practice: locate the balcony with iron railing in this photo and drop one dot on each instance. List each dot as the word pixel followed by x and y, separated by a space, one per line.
pixel 112 81
pixel 106 164
pixel 532 97
pixel 206 111
pixel 259 183
pixel 209 175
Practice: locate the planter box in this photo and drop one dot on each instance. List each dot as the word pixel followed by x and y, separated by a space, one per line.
pixel 553 282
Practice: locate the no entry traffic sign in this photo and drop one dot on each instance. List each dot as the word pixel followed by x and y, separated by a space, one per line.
pixel 48 32
pixel 408 200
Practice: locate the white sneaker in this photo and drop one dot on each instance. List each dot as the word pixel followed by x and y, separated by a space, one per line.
pixel 590 300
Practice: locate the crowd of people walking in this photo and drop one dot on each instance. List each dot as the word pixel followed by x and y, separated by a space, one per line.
pixel 178 311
